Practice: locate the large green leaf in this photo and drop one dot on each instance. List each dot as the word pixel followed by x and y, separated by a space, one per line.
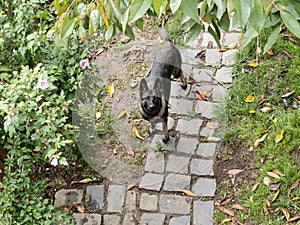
pixel 290 22
pixel 174 5
pixel 138 9
pixel 242 9
pixel 190 8
pixel 249 35
pixel 257 16
pixel 193 33
pixel 94 21
pixel 225 21
pixel 109 32
pixel 125 20
pixel 215 35
pixel 115 10
pixel 157 5
pixel 67 28
pixel 271 40
pixel 296 5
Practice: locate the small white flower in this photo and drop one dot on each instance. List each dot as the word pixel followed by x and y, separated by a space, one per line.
pixel 53 161
pixel 43 84
pixel 9 121
pixel 84 64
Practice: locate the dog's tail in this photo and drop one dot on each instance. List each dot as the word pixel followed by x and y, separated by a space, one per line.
pixel 164 35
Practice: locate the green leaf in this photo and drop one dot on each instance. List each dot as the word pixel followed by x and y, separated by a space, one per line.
pixel 115 10
pixel 63 161
pixel 243 9
pixel 81 9
pixel 215 35
pixel 138 9
pixel 225 22
pixel 157 5
pixel 94 21
pixel 249 35
pixel 193 33
pixel 296 5
pixel 139 23
pixel 163 8
pixel 174 5
pixel 109 32
pixel 257 16
pixel 271 40
pixel 125 20
pixel 66 28
pixel 290 22
pixel 129 32
pixel 190 8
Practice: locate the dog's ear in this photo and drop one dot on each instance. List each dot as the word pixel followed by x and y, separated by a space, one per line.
pixel 158 85
pixel 143 87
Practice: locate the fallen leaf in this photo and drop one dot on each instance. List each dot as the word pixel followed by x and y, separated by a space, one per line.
pixel 206 94
pixel 275 196
pixel 136 133
pixel 232 46
pixel 130 152
pixel 249 98
pixel 285 104
pixel 288 94
pixel 255 186
pixel 223 49
pixel 234 172
pixel 111 90
pixel 267 203
pixel 121 113
pixel 261 139
pixel 295 185
pixel 98 115
pixel 213 139
pixel 298 99
pixel 258 50
pixel 125 39
pixel 295 198
pixel 227 211
pixel 84 181
pixel 267 181
pixel 279 136
pixel 275 186
pixel 239 207
pixel 226 220
pixel 199 96
pixel 252 63
pixel 212 125
pixel 286 213
pixel 278 173
pixel 210 44
pixel 252 111
pixel 189 193
pixel 266 109
pixel 266 211
pixel 132 185
pixel 270 52
pixel 293 219
pixel 274 175
pixel 226 200
pixel 79 208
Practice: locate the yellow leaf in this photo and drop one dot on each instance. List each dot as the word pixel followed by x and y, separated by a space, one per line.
pixel 136 133
pixel 275 196
pixel 252 111
pixel 121 113
pixel 189 193
pixel 252 64
pixel 275 120
pixel 274 175
pixel 258 141
pixel 232 46
pixel 250 98
pixel 286 213
pixel 295 198
pixel 279 136
pixel 111 90
pixel 266 109
pixel 226 220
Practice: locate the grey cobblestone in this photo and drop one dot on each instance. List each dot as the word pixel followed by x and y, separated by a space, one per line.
pixel 224 75
pixel 97 196
pixel 177 182
pixel 152 219
pixel 189 127
pixel 155 162
pixel 148 202
pixel 130 203
pixel 177 164
pixel 207 132
pixel 206 109
pixel 66 197
pixel 157 139
pixel 174 204
pixel 171 123
pixel 204 187
pixel 231 38
pixel 151 181
pixel 228 58
pixel 177 90
pixel 111 219
pixel 206 149
pixel 181 106
pixel 202 75
pixel 219 93
pixel 213 57
pixel 187 145
pixel 130 219
pixel 87 219
pixel 115 198
pixel 203 212
pixel 182 220
pixel 202 167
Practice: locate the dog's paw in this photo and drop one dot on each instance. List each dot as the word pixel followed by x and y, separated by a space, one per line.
pixel 183 86
pixel 165 138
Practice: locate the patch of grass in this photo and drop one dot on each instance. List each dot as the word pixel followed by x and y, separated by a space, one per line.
pixel 274 76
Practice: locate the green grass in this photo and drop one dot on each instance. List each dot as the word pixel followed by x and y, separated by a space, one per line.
pixel 270 79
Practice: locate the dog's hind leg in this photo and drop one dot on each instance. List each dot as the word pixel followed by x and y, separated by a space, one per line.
pixel 179 74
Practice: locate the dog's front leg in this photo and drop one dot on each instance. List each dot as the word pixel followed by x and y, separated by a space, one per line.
pixel 165 130
pixel 152 127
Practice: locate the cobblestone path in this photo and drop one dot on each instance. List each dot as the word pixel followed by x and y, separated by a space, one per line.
pixel 187 164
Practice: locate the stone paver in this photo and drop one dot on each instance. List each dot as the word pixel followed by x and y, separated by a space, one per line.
pixel 185 162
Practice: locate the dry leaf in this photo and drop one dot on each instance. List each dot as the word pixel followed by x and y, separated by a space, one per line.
pixel 295 185
pixel 132 185
pixel 278 173
pixel 239 207
pixel 199 96
pixel 79 208
pixel 267 203
pixel 232 46
pixel 255 186
pixel 234 172
pixel 288 94
pixel 227 211
pixel 121 113
pixel 125 39
pixel 274 175
pixel 206 94
pixel 279 136
pixel 286 213
pixel 111 90
pixel 212 125
pixel 130 152
pixel 223 49
pixel 84 181
pixel 189 193
pixel 136 133
pixel 98 115
pixel 266 109
pixel 270 52
pixel 226 220
pixel 267 181
pixel 258 50
pixel 249 98
pixel 275 196
pixel 261 139
pixel 227 200
pixel 293 219
pixel 275 186
pixel 266 211
pixel 212 139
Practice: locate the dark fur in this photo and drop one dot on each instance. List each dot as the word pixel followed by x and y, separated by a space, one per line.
pixel 155 91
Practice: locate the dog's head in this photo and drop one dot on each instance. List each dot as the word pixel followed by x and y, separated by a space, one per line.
pixel 151 99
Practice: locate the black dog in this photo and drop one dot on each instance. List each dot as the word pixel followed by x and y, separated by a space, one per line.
pixel 155 92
